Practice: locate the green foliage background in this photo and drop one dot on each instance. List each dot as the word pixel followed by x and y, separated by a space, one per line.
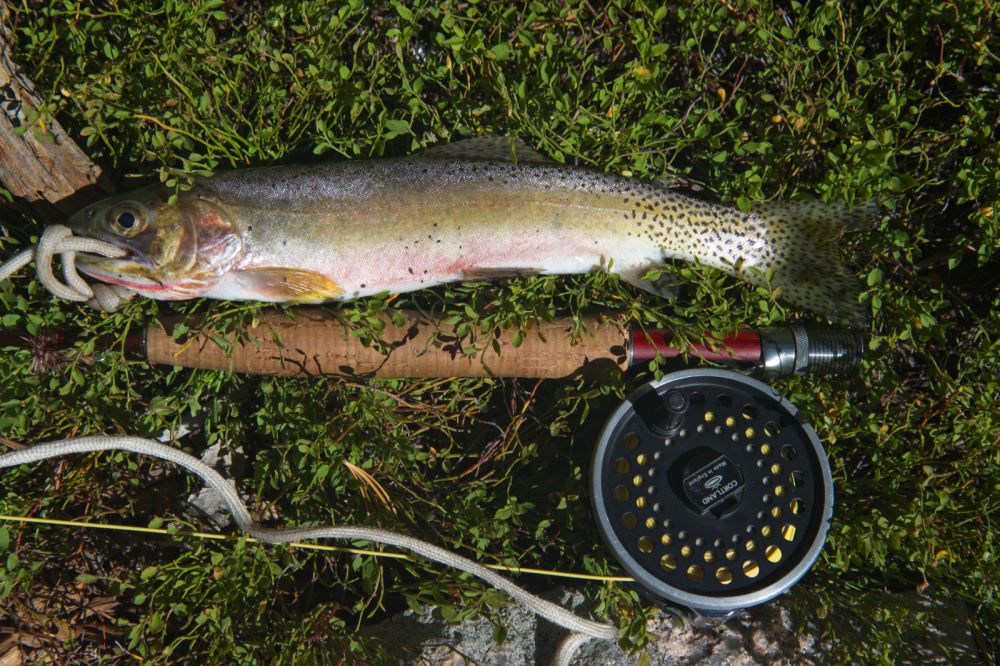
pixel 750 99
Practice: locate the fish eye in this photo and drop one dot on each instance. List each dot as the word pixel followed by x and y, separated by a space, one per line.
pixel 127 221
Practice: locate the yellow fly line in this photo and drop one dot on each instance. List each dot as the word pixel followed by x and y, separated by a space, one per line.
pixel 581 629
pixel 216 536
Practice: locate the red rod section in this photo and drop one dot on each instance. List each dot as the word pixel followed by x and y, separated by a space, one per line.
pixel 744 346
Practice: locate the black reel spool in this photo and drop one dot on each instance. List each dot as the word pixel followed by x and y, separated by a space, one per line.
pixel 711 490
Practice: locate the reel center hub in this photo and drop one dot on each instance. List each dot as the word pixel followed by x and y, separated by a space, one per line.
pixel 712 488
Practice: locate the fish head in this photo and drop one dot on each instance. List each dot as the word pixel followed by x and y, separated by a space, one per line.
pixel 175 249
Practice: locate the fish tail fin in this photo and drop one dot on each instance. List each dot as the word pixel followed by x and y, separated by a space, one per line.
pixel 807 268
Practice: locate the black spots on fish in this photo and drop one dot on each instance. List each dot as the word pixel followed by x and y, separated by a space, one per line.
pixel 363 285
pixel 410 269
pixel 284 243
pixel 250 228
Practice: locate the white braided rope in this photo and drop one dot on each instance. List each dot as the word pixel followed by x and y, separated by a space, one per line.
pixel 583 630
pixel 59 240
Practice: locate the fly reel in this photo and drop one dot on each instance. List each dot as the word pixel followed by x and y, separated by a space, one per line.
pixel 711 490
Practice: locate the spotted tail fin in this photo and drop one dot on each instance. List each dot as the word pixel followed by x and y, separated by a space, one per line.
pixel 808 268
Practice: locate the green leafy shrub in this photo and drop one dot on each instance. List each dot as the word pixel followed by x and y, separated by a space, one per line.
pixel 895 101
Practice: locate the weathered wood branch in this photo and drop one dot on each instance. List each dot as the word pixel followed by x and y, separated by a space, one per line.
pixel 42 167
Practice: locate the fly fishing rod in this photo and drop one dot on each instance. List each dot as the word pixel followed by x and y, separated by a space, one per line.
pixel 316 342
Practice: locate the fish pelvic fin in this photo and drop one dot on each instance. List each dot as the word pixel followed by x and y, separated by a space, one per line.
pixel 490 273
pixel 808 270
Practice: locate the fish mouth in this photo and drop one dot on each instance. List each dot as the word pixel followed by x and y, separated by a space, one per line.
pixel 137 274
pixel 127 272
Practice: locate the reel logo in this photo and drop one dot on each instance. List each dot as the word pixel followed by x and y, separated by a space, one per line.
pixel 713 483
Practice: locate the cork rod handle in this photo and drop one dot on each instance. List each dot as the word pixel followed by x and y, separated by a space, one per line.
pixel 316 343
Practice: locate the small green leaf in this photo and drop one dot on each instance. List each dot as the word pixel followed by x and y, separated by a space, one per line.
pixel 501 51
pixel 397 127
pixel 403 11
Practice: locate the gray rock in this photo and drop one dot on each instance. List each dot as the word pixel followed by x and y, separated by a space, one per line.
pixel 232 465
pixel 764 634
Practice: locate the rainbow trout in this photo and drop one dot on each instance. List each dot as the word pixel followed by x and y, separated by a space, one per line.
pixel 464 211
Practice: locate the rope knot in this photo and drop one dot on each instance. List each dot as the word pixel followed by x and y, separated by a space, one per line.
pixel 59 240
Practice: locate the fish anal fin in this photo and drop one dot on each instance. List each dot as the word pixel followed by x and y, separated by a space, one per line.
pixel 665 285
pixel 487 148
pixel 291 285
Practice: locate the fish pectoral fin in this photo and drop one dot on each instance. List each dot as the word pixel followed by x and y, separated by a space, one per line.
pixel 489 273
pixel 665 285
pixel 287 285
pixel 487 148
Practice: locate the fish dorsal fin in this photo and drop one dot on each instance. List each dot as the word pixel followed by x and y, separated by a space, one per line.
pixel 487 148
